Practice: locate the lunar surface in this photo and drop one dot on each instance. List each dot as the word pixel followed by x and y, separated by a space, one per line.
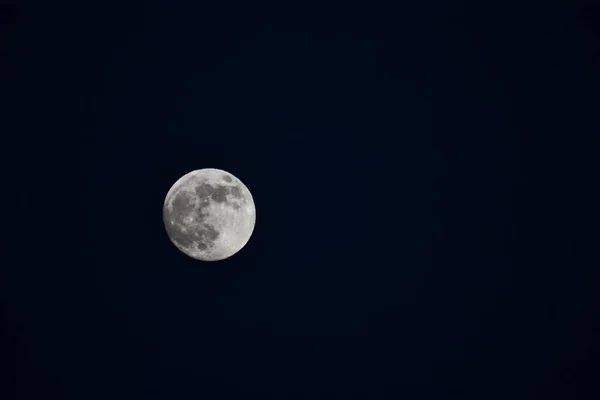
pixel 209 214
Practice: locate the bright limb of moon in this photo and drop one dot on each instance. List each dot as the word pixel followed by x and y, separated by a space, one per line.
pixel 209 214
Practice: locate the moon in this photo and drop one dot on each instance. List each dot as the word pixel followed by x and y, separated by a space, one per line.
pixel 209 214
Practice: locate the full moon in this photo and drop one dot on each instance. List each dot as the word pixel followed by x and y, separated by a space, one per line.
pixel 209 214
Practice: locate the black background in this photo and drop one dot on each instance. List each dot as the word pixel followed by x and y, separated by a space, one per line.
pixel 422 180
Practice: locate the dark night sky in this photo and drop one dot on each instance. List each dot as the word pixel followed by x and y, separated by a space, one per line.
pixel 422 182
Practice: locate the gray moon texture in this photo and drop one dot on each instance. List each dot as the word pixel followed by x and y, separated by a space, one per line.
pixel 209 214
